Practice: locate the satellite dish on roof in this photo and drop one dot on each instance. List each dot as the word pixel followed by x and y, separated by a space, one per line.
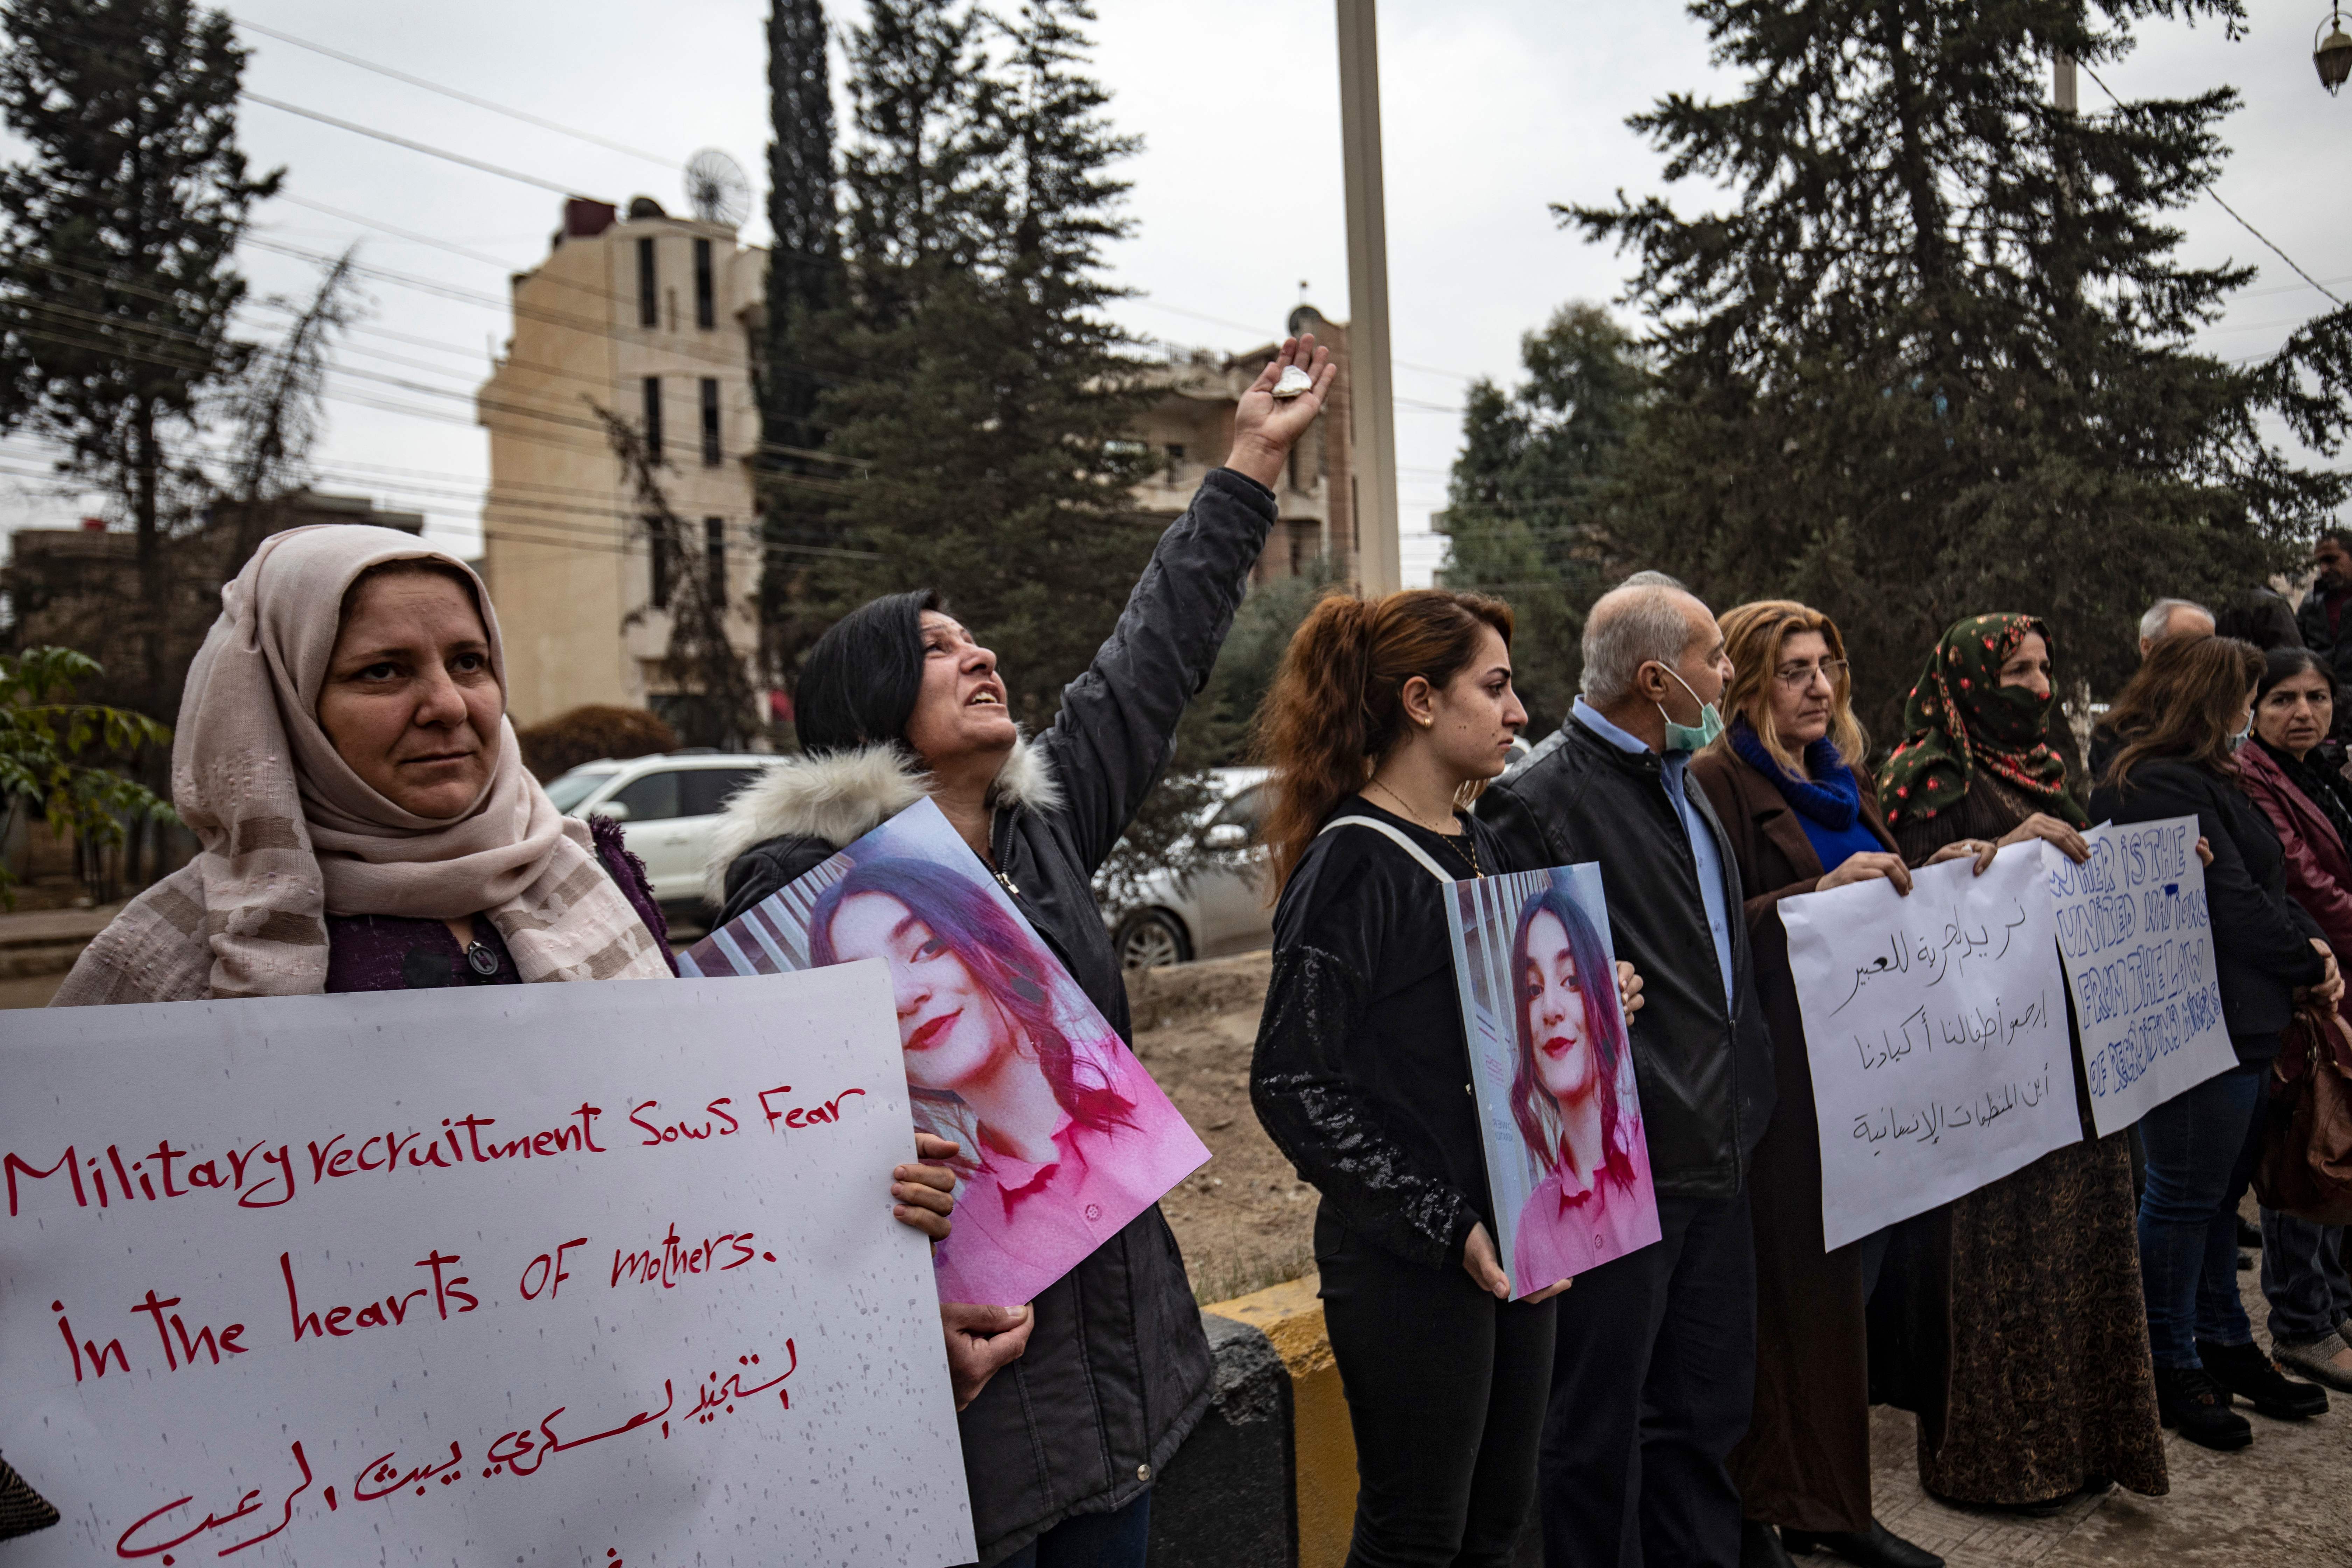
pixel 716 189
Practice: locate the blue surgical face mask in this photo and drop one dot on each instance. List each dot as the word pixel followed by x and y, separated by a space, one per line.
pixel 1688 737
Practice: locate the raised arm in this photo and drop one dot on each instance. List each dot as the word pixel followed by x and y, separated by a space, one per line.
pixel 1117 719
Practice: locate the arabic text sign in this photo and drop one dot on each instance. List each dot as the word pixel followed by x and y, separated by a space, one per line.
pixel 2138 946
pixel 600 1274
pixel 1936 1028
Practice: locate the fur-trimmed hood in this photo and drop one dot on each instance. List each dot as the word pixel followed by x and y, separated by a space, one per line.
pixel 841 797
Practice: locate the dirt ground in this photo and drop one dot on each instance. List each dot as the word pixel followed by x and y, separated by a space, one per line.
pixel 1244 1220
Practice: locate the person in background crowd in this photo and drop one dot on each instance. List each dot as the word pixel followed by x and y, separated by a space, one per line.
pixel 2322 617
pixel 2259 616
pixel 2031 1365
pixel 2173 618
pixel 2165 618
pixel 1382 711
pixel 2180 718
pixel 897 701
pixel 2310 807
pixel 1801 820
pixel 1655 1367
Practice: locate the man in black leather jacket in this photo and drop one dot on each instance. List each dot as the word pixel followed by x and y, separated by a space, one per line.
pixel 1653 1376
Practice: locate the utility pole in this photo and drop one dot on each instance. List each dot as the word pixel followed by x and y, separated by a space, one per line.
pixel 2062 81
pixel 1372 393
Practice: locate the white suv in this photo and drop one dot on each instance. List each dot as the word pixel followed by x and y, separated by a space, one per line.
pixel 667 807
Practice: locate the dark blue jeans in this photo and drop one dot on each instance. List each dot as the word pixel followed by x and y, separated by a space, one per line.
pixel 2303 1279
pixel 1114 1540
pixel 2200 1158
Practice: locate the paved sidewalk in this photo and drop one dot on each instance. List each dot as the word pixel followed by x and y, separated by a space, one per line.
pixel 2285 1502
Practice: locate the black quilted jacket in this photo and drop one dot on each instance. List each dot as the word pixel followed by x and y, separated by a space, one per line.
pixel 1117 1369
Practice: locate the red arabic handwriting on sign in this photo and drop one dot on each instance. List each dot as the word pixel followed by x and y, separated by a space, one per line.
pixel 249 1503
pixel 517 1453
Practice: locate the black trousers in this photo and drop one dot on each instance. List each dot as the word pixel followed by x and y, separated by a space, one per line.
pixel 1446 1392
pixel 1651 1388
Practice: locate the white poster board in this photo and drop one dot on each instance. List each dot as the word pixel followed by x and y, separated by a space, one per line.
pixel 2139 945
pixel 589 1274
pixel 1936 1028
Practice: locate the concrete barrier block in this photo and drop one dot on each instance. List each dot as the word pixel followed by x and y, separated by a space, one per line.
pixel 1224 1501
pixel 1323 1444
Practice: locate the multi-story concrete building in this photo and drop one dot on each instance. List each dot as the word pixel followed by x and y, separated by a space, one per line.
pixel 643 317
pixel 650 318
pixel 1190 425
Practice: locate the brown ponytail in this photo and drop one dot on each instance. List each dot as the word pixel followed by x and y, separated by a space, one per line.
pixel 1335 710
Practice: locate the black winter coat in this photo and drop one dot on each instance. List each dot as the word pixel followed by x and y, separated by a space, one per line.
pixel 2262 938
pixel 1117 1368
pixel 1706 1076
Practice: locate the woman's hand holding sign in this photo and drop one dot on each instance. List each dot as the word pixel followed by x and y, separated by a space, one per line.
pixel 923 1195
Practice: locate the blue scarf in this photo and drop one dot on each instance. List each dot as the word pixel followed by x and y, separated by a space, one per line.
pixel 1828 804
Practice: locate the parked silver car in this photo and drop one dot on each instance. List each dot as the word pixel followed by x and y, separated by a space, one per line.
pixel 667 807
pixel 1223 909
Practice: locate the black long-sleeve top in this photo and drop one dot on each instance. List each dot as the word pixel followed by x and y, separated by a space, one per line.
pixel 1361 1075
pixel 2262 938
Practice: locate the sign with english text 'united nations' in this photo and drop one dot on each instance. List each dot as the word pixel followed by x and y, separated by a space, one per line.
pixel 2138 944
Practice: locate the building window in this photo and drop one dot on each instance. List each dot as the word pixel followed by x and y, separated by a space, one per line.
pixel 1175 462
pixel 705 301
pixel 664 551
pixel 714 554
pixel 649 293
pixel 653 419
pixel 711 453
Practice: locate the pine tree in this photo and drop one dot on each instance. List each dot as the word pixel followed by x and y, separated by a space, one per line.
pixel 1932 359
pixel 116 241
pixel 1523 512
pixel 805 263
pixel 798 483
pixel 980 384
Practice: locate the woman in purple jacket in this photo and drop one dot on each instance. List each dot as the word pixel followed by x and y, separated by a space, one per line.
pixel 366 822
pixel 2310 804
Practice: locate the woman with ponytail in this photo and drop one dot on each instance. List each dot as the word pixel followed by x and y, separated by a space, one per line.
pixel 1385 714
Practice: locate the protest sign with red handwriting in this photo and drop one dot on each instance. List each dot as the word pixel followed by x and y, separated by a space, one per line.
pixel 598 1274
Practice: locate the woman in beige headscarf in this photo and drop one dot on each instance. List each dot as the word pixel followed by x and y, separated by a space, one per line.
pixel 366 823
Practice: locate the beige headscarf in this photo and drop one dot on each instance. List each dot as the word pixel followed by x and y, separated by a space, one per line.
pixel 291 834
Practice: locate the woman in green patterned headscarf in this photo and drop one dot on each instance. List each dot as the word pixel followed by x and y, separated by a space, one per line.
pixel 2031 1372
pixel 1981 708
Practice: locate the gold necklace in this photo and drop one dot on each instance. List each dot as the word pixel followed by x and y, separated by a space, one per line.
pixel 1460 843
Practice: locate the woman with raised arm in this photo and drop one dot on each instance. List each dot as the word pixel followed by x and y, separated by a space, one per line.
pixel 2179 721
pixel 1384 714
pixel 1069 1406
pixel 2029 1370
pixel 1802 819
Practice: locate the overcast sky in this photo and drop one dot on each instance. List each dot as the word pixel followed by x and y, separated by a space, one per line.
pixel 1492 108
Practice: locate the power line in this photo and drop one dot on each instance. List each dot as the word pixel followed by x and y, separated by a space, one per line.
pixel 524 115
pixel 2233 211
pixel 430 151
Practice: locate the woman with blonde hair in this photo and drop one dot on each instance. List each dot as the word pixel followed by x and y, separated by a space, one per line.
pixel 1801 817
pixel 1384 715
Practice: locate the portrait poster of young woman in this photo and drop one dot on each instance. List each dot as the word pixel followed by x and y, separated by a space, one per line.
pixel 1557 1100
pixel 1066 1138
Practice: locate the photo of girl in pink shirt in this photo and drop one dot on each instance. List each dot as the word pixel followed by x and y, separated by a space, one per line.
pixel 1573 1099
pixel 1064 1137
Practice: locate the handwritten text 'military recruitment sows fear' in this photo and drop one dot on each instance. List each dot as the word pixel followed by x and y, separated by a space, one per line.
pixel 261 1177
